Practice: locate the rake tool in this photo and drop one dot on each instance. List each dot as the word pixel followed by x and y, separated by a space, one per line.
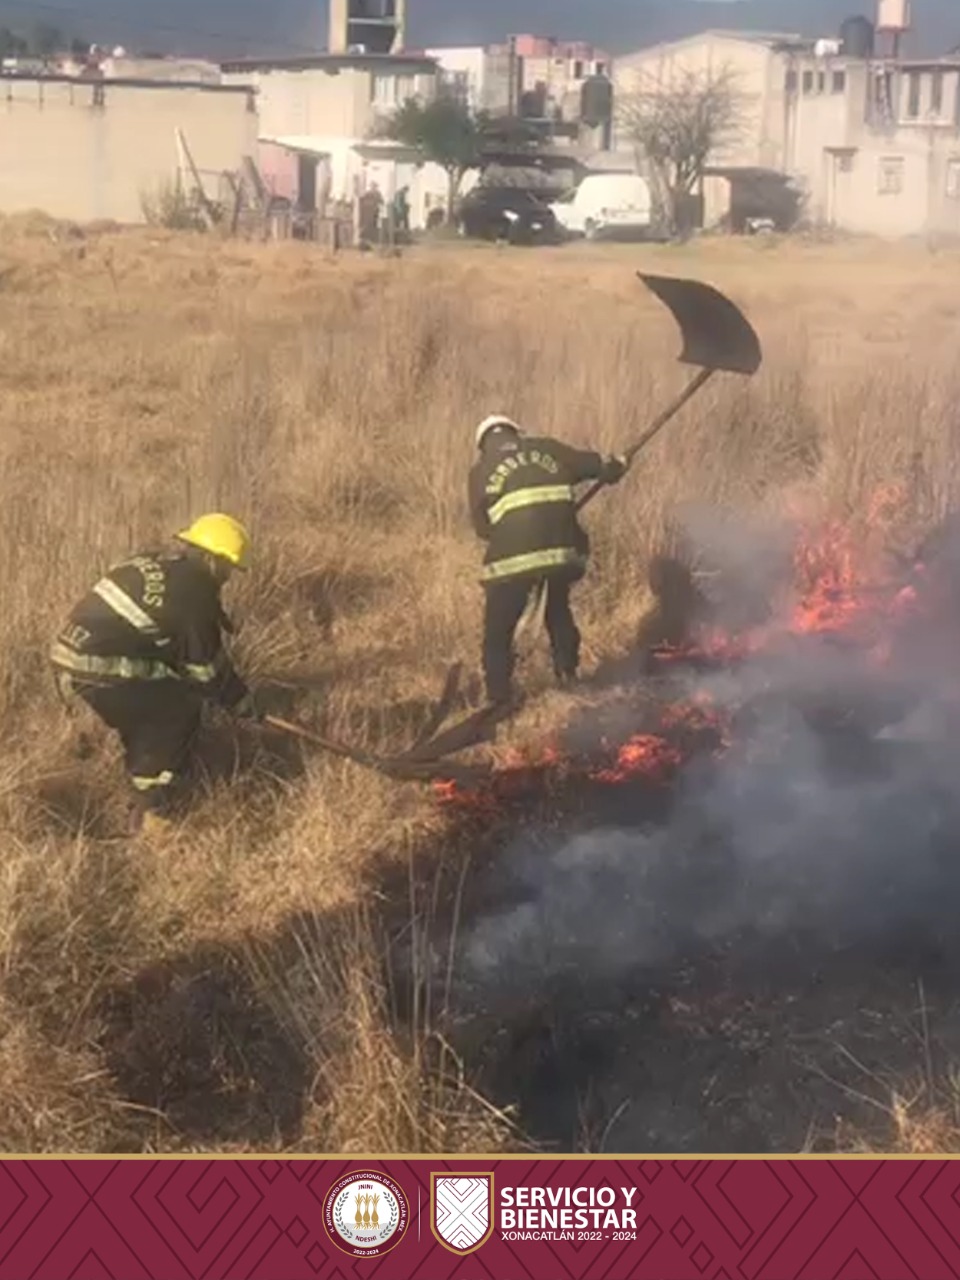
pixel 405 767
pixel 398 767
pixel 717 337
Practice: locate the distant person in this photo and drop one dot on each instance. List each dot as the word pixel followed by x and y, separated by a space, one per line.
pixel 401 212
pixel 144 648
pixel 371 206
pixel 522 502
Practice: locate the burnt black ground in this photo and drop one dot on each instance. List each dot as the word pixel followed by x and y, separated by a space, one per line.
pixel 754 1040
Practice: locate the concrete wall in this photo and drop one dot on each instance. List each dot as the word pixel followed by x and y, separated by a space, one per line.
pixel 85 151
pixel 897 187
pixel 182 70
pixel 331 101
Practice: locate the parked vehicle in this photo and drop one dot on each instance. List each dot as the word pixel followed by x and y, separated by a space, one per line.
pixel 606 204
pixel 507 213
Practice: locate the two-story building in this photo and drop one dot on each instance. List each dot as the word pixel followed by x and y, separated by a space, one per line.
pixel 319 114
pixel 872 143
pixel 877 142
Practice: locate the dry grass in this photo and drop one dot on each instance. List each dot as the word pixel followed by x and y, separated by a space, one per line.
pixel 145 377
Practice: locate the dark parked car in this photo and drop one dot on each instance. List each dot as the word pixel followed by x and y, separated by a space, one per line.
pixel 507 213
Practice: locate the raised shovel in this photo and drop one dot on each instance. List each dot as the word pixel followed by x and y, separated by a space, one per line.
pixel 717 338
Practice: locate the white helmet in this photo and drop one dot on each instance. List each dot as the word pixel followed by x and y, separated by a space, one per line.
pixel 494 420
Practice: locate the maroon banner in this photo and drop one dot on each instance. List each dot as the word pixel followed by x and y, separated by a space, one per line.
pixel 502 1219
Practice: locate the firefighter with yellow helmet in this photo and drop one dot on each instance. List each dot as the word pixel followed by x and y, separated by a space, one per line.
pixel 144 648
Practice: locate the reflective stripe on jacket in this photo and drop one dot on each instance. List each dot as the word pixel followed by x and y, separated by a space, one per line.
pixel 533 562
pixel 156 616
pixel 523 505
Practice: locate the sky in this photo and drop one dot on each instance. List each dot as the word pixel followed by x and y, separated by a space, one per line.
pixel 228 27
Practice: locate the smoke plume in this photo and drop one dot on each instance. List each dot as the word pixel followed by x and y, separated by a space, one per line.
pixel 832 819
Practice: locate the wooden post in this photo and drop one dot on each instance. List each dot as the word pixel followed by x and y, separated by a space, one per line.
pixel 206 208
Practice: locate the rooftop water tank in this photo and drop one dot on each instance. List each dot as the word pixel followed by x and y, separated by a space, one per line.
pixel 893 15
pixel 857 37
pixel 596 101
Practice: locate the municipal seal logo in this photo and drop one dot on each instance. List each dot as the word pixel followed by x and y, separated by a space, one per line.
pixel 366 1213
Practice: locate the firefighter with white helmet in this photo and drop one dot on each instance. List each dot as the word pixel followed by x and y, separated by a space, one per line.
pixel 523 505
pixel 144 648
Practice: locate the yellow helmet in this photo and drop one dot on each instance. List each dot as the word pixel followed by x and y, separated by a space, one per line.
pixel 220 535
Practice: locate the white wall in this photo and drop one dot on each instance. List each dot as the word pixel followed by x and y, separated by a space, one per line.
pixel 87 151
pixel 468 62
pixel 331 101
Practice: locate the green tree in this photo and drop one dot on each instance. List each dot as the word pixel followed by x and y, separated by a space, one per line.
pixel 46 39
pixel 444 131
pixel 11 45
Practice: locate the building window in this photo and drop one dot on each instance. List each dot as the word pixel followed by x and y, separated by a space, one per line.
pixel 821 81
pixel 600 69
pixel 578 70
pixel 890 175
pixel 808 82
pixel 845 162
pixel 953 178
pixel 839 82
pixel 392 91
pixel 456 84
pixel 790 82
pixel 385 91
pixel 936 94
pixel 913 95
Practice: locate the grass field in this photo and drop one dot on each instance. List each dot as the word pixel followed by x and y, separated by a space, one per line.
pixel 147 377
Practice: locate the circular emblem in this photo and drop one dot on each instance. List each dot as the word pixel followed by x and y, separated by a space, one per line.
pixel 365 1213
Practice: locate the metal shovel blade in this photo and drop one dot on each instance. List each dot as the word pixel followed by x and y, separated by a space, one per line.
pixel 716 333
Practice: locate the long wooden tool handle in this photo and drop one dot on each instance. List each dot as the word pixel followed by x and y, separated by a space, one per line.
pixel 334 748
pixel 703 376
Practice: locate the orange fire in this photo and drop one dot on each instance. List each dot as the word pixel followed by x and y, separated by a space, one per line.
pixel 645 753
pixel 840 590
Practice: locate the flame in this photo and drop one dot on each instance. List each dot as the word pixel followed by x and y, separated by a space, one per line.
pixel 646 754
pixel 839 591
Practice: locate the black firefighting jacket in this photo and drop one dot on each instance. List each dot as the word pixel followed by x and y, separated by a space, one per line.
pixel 522 504
pixel 156 616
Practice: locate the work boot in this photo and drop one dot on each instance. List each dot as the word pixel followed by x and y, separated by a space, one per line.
pixel 566 681
pixel 504 705
pixel 155 828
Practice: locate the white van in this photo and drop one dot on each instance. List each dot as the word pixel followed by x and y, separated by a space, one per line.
pixel 604 203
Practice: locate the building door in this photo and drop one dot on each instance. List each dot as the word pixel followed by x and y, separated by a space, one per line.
pixel 307 183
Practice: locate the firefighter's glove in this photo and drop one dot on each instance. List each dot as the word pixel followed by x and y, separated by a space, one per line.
pixel 247 709
pixel 614 469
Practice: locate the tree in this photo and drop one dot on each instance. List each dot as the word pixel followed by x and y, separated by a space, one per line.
pixel 11 45
pixel 445 131
pixel 676 128
pixel 46 40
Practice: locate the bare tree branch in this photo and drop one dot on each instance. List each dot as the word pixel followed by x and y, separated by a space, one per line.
pixel 677 127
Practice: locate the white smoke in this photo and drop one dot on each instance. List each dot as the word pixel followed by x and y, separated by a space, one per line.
pixel 834 816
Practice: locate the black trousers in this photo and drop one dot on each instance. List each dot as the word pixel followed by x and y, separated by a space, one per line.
pixel 504 606
pixel 157 722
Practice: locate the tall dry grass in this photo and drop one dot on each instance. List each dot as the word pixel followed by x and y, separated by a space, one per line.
pixel 145 377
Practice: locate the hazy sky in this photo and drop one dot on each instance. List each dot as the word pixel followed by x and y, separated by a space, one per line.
pixel 299 26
